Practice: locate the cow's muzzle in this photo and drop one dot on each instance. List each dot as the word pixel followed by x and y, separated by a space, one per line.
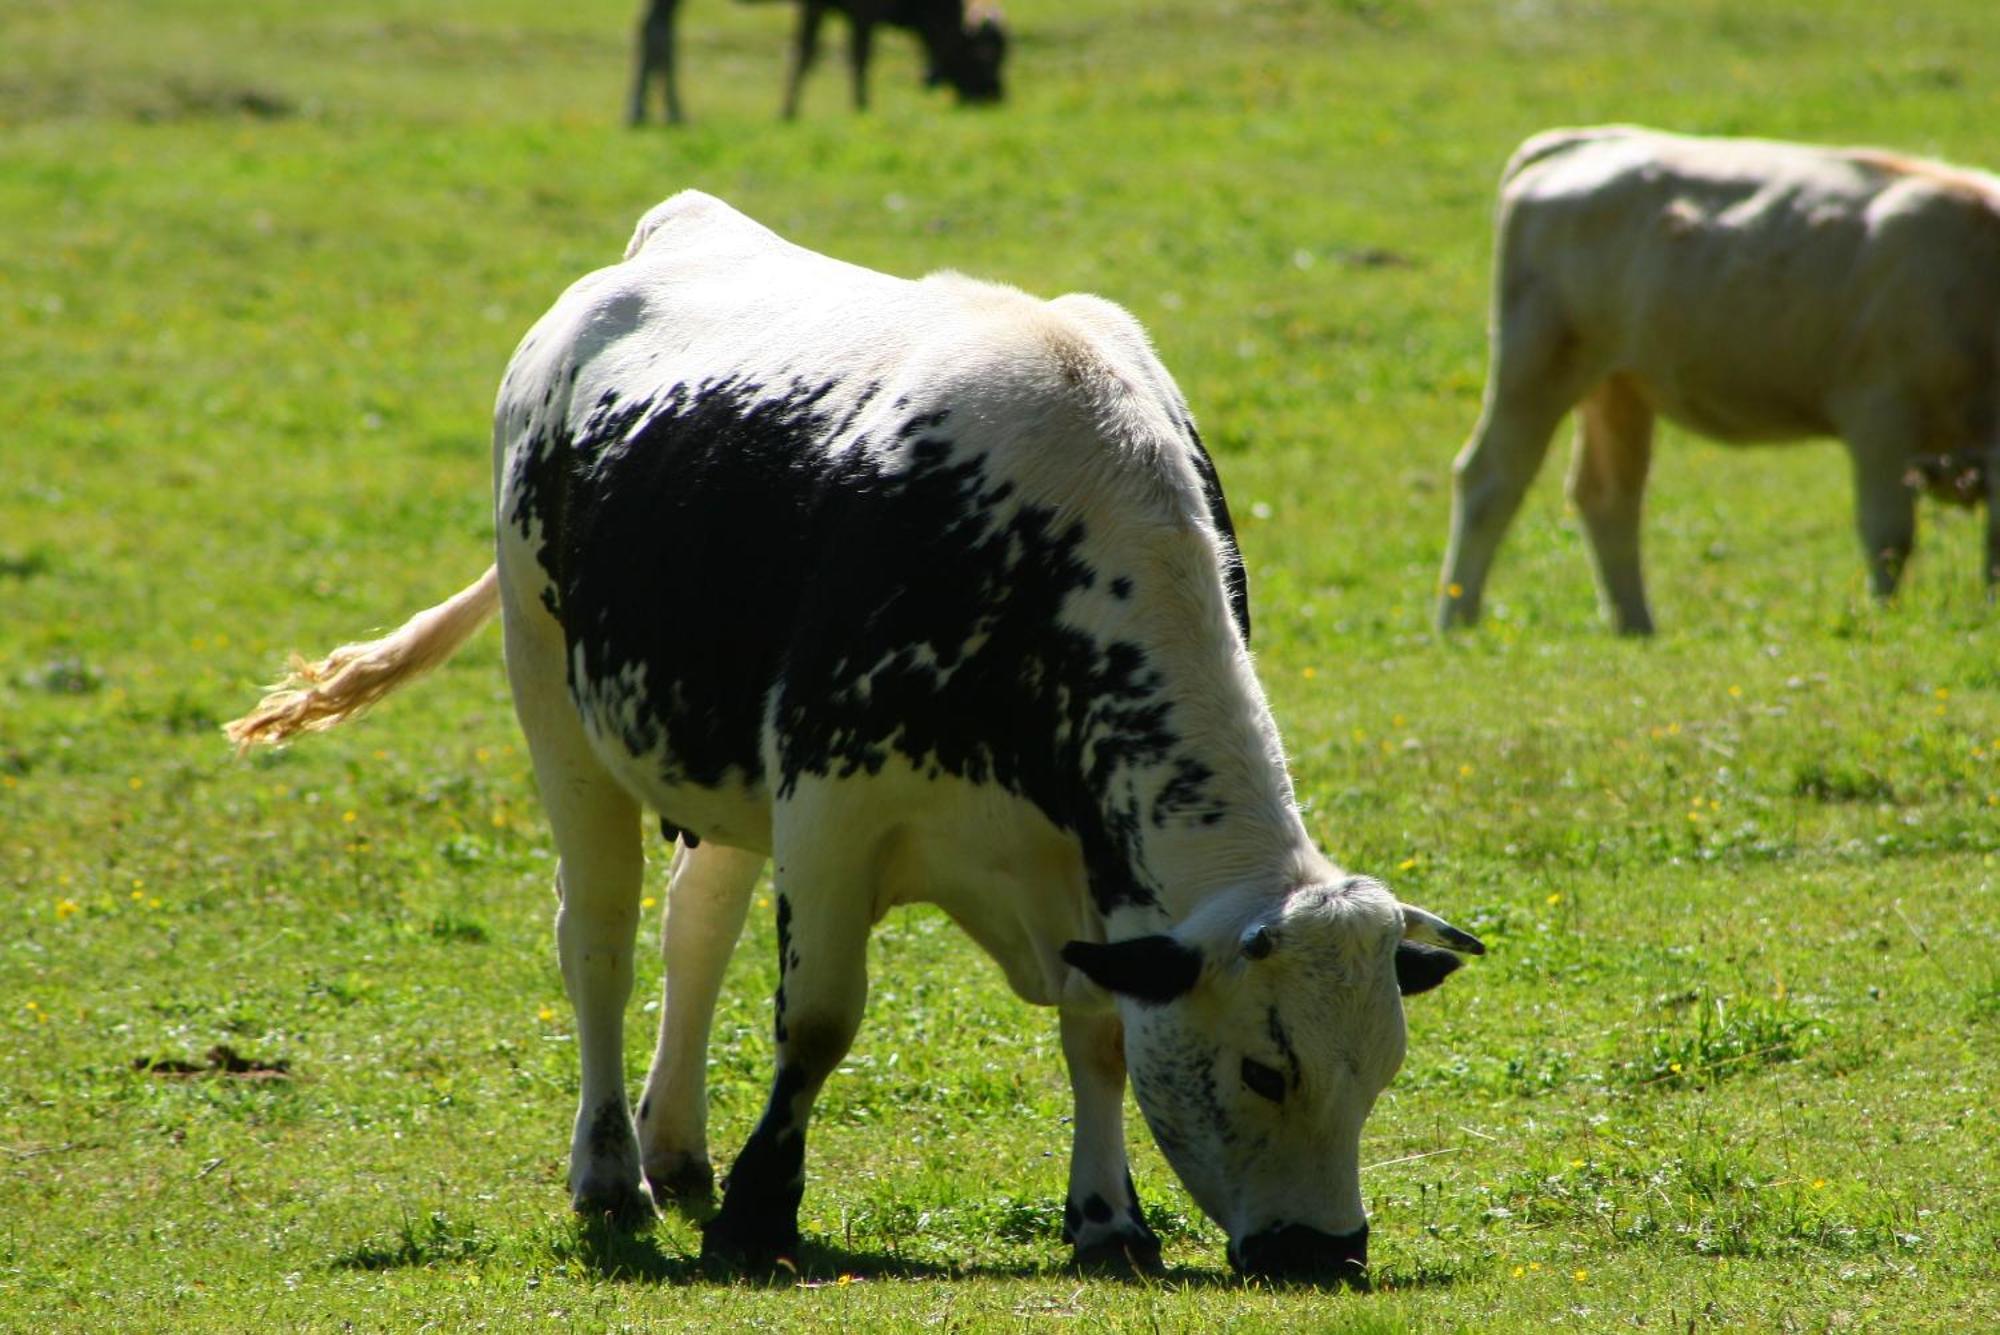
pixel 1301 1252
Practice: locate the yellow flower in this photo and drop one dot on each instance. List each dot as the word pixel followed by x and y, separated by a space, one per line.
pixel 66 908
pixel 1534 1265
pixel 1818 1183
pixel 153 903
pixel 1519 1271
pixel 347 818
pixel 1309 673
pixel 648 902
pixel 545 1014
pixel 1406 864
pixel 1454 590
pixel 1735 692
pixel 1942 693
pixel 1465 771
pixel 135 783
pixel 1581 1276
pixel 1675 1067
pixel 1555 898
pixel 138 895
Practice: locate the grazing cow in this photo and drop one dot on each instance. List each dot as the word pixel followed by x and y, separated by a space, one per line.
pixel 1750 291
pixel 927 592
pixel 962 47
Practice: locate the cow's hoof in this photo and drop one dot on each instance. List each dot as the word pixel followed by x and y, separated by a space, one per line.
pixel 681 1180
pixel 1124 1253
pixel 747 1244
pixel 627 1207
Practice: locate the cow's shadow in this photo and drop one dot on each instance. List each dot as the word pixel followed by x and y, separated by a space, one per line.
pixel 609 1251
pixel 616 1254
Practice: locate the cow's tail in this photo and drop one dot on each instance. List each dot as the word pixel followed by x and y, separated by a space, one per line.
pixel 321 695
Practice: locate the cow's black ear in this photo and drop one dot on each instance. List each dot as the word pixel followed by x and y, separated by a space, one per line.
pixel 1146 968
pixel 1419 968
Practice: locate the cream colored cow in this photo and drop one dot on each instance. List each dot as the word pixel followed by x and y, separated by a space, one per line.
pixel 1750 291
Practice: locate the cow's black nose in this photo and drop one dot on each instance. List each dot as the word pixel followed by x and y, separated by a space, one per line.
pixel 1301 1252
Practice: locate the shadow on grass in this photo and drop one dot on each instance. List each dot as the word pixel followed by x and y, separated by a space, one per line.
pixel 620 1255
pixel 609 1251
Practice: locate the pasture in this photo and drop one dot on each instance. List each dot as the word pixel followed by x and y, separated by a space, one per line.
pixel 283 1042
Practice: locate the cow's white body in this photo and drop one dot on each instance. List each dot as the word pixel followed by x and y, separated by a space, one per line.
pixel 923 591
pixel 1751 291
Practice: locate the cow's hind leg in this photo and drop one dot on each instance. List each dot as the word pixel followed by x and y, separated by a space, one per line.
pixel 1537 373
pixel 823 922
pixel 656 59
pixel 1607 481
pixel 1882 432
pixel 1102 1218
pixel 707 896
pixel 598 876
pixel 805 50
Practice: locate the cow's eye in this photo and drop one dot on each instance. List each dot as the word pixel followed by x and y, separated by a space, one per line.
pixel 1263 1081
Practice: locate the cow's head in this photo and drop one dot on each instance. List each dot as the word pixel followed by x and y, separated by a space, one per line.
pixel 1257 1045
pixel 970 62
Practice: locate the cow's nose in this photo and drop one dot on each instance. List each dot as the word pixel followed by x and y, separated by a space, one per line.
pixel 1301 1252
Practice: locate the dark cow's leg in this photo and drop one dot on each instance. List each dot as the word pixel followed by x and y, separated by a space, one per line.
pixel 822 987
pixel 600 868
pixel 656 59
pixel 860 43
pixel 1101 1218
pixel 805 50
pixel 707 897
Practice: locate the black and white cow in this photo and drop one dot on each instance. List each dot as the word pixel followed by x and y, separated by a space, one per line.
pixel 926 592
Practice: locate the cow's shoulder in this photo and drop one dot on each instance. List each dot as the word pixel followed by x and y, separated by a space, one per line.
pixel 1072 382
pixel 1932 195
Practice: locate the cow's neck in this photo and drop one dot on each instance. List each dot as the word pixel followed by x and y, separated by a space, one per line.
pixel 1216 814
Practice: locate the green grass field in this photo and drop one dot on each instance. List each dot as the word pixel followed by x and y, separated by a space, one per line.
pixel 1731 1061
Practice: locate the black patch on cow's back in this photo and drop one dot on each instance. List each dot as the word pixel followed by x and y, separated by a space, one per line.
pixel 745 547
pixel 672 532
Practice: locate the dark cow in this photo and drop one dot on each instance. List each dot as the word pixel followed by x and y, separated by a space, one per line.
pixel 924 591
pixel 963 47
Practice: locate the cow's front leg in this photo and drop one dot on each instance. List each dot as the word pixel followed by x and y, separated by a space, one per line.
pixel 1991 463
pixel 1101 1218
pixel 822 987
pixel 707 896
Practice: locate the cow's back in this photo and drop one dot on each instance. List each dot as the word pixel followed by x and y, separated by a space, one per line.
pixel 795 517
pixel 1744 283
